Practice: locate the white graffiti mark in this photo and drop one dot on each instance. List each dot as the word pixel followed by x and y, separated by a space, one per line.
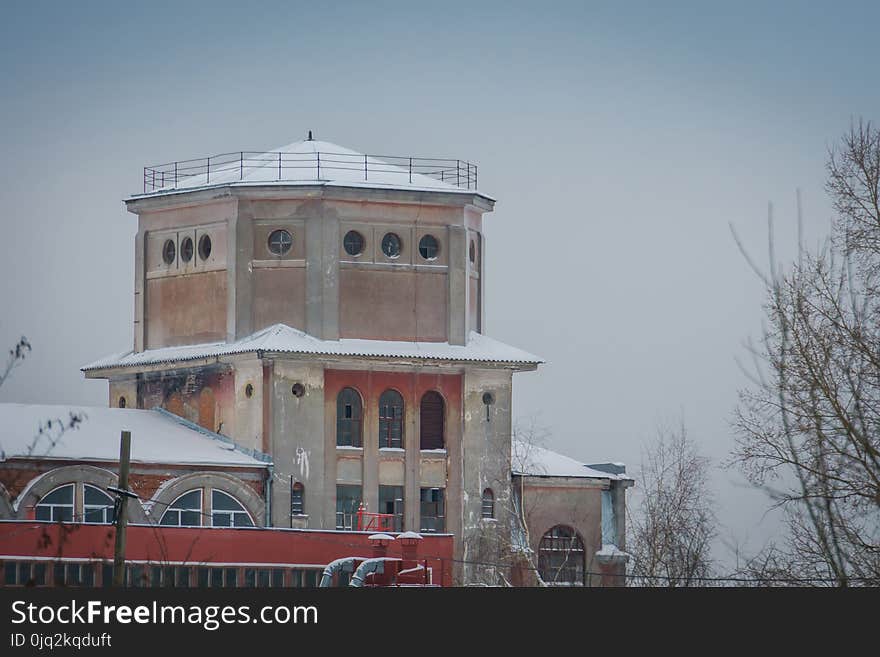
pixel 302 461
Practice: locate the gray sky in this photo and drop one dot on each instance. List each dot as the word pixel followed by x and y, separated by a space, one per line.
pixel 620 140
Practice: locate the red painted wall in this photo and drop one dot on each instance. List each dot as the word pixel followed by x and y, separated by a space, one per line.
pixel 205 546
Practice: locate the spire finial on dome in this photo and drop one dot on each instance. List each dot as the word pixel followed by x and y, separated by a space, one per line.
pixel 310 136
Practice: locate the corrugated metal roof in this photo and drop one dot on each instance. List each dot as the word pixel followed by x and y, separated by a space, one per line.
pixel 157 436
pixel 533 460
pixel 281 338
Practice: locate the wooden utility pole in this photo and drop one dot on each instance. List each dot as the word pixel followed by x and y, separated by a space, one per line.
pixel 122 495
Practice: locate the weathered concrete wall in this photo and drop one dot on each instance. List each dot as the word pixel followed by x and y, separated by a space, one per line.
pixel 316 286
pixel 246 427
pixel 123 390
pixel 486 445
pixel 392 304
pixel 279 297
pixel 205 396
pixel 186 310
pixel 297 442
pixel 575 502
pixel 184 301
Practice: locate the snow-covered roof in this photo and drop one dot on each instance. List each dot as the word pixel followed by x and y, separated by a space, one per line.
pixel 310 162
pixel 533 460
pixel 156 436
pixel 283 339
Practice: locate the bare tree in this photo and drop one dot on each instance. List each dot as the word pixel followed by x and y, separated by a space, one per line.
pixel 50 431
pixel 808 428
pixel 671 535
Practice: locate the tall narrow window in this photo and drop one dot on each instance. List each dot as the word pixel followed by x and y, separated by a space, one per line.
pixel 432 511
pixel 391 419
pixel 57 506
pixel 431 420
pixel 297 499
pixel 561 556
pixel 391 503
pixel 348 500
pixel 226 511
pixel 348 418
pixel 97 505
pixel 185 511
pixel 488 503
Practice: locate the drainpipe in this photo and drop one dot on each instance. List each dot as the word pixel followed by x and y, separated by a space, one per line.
pixel 271 476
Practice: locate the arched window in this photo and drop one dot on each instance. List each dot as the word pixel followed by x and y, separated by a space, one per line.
pixel 561 556
pixel 391 419
pixel 348 418
pixel 297 500
pixel 185 511
pixel 97 506
pixel 57 506
pixel 226 511
pixel 488 503
pixel 431 420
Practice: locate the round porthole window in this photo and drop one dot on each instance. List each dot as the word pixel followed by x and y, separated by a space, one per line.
pixel 353 243
pixel 168 252
pixel 391 245
pixel 204 247
pixel 280 242
pixel 473 252
pixel 429 247
pixel 298 390
pixel 186 249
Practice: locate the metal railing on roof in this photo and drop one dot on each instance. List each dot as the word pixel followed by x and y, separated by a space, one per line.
pixel 299 167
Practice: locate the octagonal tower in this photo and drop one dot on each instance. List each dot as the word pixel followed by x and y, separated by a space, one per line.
pixel 326 307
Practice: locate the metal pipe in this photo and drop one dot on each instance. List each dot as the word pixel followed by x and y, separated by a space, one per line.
pixel 271 475
pixel 368 567
pixel 345 564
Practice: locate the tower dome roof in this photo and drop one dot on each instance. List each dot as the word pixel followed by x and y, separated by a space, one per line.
pixel 312 162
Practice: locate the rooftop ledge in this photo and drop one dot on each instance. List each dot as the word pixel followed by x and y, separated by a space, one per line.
pixel 282 339
pixel 312 161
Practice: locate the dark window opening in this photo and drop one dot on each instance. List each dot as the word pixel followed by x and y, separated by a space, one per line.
pixel 297 390
pixel 185 511
pixel 280 242
pixel 431 420
pixel 391 245
pixel 168 252
pixel 121 403
pixel 249 390
pixel 186 249
pixel 391 419
pixel 391 503
pixel 353 243
pixel 429 247
pixel 98 507
pixel 348 501
pixel 57 506
pixel 297 499
pixel 472 252
pixel 204 247
pixel 348 418
pixel 432 511
pixel 561 557
pixel 488 506
pixel 226 511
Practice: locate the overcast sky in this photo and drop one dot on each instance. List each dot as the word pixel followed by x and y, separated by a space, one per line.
pixel 620 139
